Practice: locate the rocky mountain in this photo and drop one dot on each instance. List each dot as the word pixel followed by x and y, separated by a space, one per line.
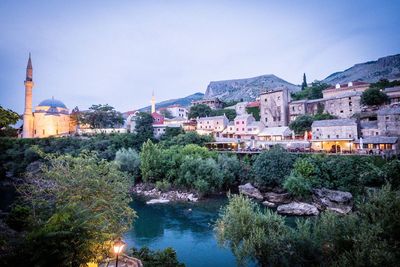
pixel 184 101
pixel 246 89
pixel 372 71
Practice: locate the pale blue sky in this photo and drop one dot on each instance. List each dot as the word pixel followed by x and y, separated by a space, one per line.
pixel 117 52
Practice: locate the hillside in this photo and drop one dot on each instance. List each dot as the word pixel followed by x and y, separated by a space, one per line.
pixel 184 101
pixel 246 89
pixel 372 71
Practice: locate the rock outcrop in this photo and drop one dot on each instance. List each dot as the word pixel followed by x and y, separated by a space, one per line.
pixel 298 208
pixel 247 89
pixel 273 197
pixel 334 200
pixel 149 190
pixel 249 190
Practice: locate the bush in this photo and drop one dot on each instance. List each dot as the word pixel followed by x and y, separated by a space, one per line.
pixel 158 258
pixel 271 167
pixel 373 96
pixel 19 218
pixel 128 160
pixel 163 185
pixel 151 162
pixel 297 185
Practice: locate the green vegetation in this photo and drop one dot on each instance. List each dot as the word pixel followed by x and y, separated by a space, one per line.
pixel 255 111
pixel 128 160
pixel 166 113
pixel 229 113
pixel 303 122
pixel 158 258
pixel 101 116
pixel 200 110
pixel 374 97
pixel 72 208
pixel 304 83
pixel 384 83
pixel 312 92
pixel 369 237
pixel 7 118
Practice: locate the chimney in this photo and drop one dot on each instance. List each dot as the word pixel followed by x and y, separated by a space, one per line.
pixel 350 84
pixel 337 86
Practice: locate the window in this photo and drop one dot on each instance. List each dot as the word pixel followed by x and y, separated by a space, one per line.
pixel 266 119
pixel 265 100
pixel 242 129
pixel 217 122
pixel 35 131
pixel 237 122
pixel 350 103
pixel 341 111
pixel 237 129
pixel 350 110
pixel 293 108
pixel 329 136
pixel 43 131
pixel 337 136
pixel 279 98
pixel 350 135
pixel 387 118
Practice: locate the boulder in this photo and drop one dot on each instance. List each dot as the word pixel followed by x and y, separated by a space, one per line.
pixel 192 198
pixel 278 198
pixel 269 204
pixel 157 201
pixel 249 190
pixel 297 208
pixel 337 201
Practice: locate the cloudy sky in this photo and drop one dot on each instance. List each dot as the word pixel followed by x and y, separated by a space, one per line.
pixel 117 52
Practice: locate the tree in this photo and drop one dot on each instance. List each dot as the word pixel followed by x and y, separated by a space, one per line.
pixel 151 162
pixel 311 92
pixel 271 167
pixel 301 124
pixel 128 160
pixel 200 110
pixel 166 113
pixel 7 117
pixel 78 205
pixel 187 138
pixel 158 258
pixel 101 116
pixel 374 97
pixel 255 111
pixel 304 84
pixel 299 182
pixel 144 127
pixel 229 113
pixel 171 132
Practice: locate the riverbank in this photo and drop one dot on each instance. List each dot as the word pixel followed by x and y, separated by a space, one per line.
pixel 158 196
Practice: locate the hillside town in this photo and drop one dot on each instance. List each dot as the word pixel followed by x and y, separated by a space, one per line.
pixel 351 127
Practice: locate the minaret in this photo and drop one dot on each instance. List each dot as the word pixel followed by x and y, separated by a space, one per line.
pixel 28 115
pixel 153 103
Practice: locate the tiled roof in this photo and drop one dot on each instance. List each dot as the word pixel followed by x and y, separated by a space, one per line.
pixel 336 122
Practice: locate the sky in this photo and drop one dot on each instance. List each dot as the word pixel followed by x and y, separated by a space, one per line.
pixel 118 52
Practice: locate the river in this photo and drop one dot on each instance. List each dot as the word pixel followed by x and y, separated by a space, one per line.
pixel 186 227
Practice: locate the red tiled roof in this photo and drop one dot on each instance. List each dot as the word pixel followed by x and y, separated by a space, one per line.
pixel 253 104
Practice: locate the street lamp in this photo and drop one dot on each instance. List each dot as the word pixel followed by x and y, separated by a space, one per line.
pixel 118 247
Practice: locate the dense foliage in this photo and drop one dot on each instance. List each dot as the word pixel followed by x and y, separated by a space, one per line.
pixel 255 111
pixel 76 205
pixel 7 118
pixel 303 122
pixel 374 97
pixel 128 160
pixel 101 116
pixel 198 111
pixel 369 237
pixel 312 92
pixel 158 258
pixel 384 83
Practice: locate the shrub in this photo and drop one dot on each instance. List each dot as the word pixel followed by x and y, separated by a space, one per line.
pixel 271 167
pixel 128 160
pixel 297 185
pixel 163 185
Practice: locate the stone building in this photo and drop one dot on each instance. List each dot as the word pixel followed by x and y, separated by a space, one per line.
pixel 334 135
pixel 393 93
pixel 51 117
pixel 339 89
pixel 302 107
pixel 213 103
pixel 343 105
pixel 211 125
pixel 389 120
pixel 274 107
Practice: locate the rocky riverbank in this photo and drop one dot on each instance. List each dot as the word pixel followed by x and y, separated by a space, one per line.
pixel 322 199
pixel 157 196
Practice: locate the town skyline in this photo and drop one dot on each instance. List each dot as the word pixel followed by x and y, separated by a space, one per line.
pixel 83 65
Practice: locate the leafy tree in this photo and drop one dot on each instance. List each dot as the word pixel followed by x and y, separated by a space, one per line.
pixel 324 116
pixel 200 110
pixel 304 84
pixel 151 162
pixel 166 113
pixel 128 160
pixel 271 167
pixel 229 113
pixel 158 258
pixel 171 132
pixel 101 116
pixel 187 138
pixel 300 180
pixel 374 96
pixel 7 117
pixel 312 92
pixel 230 103
pixel 78 204
pixel 301 124
pixel 251 234
pixel 144 127
pixel 385 83
pixel 230 168
pixel 255 111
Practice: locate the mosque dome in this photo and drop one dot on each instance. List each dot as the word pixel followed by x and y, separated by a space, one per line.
pixel 54 103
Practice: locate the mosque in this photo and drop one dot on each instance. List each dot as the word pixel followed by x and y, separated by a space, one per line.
pixel 50 118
